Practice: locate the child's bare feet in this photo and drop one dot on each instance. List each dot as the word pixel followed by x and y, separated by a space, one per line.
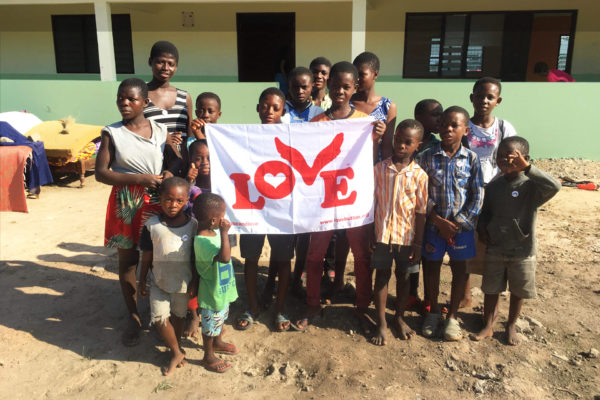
pixel 512 337
pixel 177 361
pixel 486 332
pixel 466 302
pixel 379 337
pixel 405 332
pixel 310 313
pixel 191 329
pixel 365 321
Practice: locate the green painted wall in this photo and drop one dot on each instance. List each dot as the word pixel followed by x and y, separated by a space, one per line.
pixel 557 118
pixel 93 102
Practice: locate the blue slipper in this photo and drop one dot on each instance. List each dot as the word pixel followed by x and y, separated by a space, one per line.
pixel 245 317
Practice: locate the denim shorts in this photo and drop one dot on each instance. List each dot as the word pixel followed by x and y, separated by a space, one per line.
pixel 435 246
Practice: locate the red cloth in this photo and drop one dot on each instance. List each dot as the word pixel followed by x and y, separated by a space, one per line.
pixel 128 209
pixel 556 75
pixel 193 304
pixel 12 185
pixel 358 238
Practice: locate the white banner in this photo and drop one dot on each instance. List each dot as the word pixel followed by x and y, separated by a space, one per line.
pixel 294 178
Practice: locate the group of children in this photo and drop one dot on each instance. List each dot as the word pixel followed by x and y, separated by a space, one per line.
pixel 432 197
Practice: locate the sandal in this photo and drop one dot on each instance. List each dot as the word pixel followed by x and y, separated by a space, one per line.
pixel 430 325
pixel 230 349
pixel 302 324
pixel 452 331
pixel 245 317
pixel 218 366
pixel 282 323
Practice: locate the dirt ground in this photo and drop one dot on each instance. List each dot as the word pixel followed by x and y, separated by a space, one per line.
pixel 62 314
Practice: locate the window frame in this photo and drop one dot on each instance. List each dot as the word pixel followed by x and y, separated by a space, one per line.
pixel 467 32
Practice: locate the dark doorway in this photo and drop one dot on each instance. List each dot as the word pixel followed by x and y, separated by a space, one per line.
pixel 266 45
pixel 515 46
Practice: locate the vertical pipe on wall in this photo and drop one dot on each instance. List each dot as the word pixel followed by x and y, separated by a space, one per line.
pixel 106 51
pixel 359 26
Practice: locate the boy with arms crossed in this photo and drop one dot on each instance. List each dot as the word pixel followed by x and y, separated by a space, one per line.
pixel 455 199
pixel 507 226
pixel 400 212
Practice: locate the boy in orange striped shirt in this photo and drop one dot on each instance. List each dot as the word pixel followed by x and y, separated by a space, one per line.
pixel 400 213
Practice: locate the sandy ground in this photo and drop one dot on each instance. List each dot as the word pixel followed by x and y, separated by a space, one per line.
pixel 60 322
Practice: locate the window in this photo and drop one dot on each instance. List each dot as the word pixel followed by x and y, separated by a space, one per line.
pixel 76 44
pixel 476 44
pixel 563 51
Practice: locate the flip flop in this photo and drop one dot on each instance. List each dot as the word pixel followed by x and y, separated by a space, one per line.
pixel 248 317
pixel 230 349
pixel 305 322
pixel 282 320
pixel 218 366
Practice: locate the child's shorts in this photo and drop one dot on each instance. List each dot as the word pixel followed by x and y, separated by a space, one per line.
pixel 384 254
pixel 163 304
pixel 213 321
pixel 435 246
pixel 519 272
pixel 282 246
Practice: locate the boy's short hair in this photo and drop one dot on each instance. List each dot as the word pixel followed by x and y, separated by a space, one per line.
pixel 272 91
pixel 206 204
pixel 487 79
pixel 367 58
pixel 197 144
pixel 519 142
pixel 459 110
pixel 319 61
pixel 172 182
pixel 134 83
pixel 208 95
pixel 422 105
pixel 164 47
pixel 344 67
pixel 299 71
pixel 410 124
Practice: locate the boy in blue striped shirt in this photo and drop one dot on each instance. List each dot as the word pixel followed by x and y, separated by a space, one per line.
pixel 455 200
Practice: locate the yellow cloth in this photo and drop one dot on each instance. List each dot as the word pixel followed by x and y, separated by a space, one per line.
pixel 67 145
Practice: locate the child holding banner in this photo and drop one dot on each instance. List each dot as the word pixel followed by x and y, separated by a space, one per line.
pixel 342 84
pixel 270 108
pixel 400 213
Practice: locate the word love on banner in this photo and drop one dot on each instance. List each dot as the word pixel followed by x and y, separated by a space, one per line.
pixel 294 178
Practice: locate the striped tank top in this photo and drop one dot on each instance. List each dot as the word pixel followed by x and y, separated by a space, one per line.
pixel 175 118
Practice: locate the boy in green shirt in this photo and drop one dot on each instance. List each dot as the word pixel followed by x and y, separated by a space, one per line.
pixel 216 288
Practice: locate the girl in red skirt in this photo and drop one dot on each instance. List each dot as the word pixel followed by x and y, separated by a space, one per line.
pixel 131 159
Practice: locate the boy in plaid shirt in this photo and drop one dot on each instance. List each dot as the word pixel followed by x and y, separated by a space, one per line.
pixel 455 200
pixel 400 211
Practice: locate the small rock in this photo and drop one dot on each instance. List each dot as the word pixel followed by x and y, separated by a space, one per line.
pixel 351 332
pixel 501 367
pixel 593 353
pixel 560 356
pixel 1 363
pixel 523 326
pixel 451 366
pixel 454 357
pixel 479 387
pixel 98 268
pixel 250 373
pixel 534 322
pixel 270 370
pixel 553 364
pixel 577 360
